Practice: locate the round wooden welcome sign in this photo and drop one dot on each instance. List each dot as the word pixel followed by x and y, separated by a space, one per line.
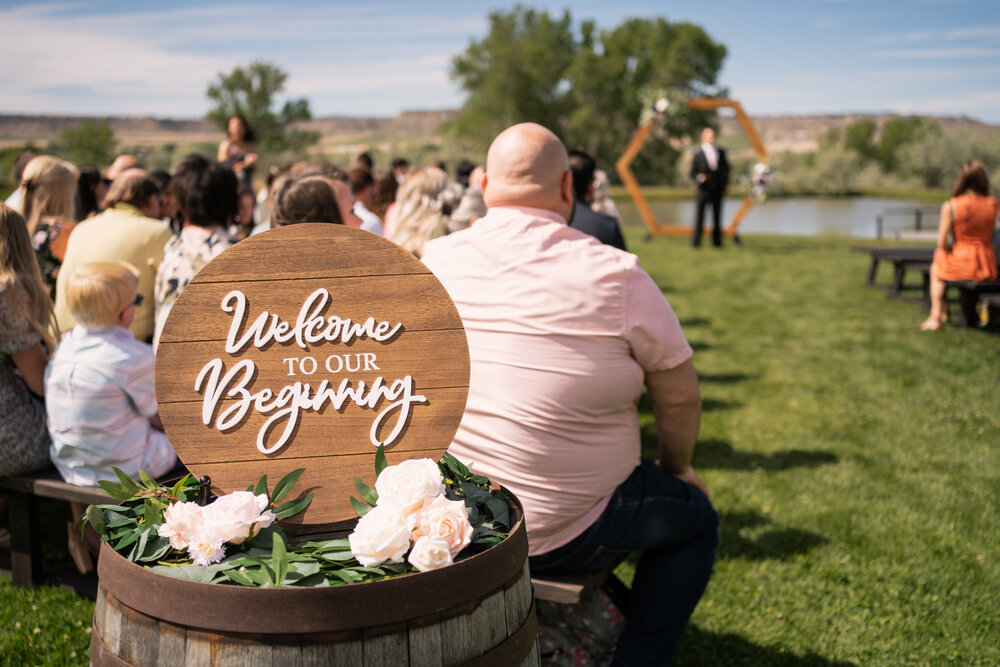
pixel 307 347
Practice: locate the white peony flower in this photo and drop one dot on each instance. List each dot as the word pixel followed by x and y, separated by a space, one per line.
pixel 447 520
pixel 181 523
pixel 430 553
pixel 381 535
pixel 237 516
pixel 409 484
pixel 206 549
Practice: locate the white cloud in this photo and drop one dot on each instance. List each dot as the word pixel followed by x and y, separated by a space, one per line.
pixel 988 31
pixel 922 54
pixel 902 37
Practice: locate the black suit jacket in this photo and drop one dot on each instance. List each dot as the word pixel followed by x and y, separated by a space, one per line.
pixel 715 181
pixel 603 227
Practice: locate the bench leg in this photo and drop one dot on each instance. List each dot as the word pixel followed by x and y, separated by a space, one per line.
pixel 967 300
pixel 897 279
pixel 618 592
pixel 25 540
pixel 872 271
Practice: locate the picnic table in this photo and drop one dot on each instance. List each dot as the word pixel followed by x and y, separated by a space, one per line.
pixel 903 259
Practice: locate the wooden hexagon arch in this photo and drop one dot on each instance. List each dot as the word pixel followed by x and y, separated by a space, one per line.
pixel 623 166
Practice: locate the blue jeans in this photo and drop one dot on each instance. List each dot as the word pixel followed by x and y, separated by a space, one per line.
pixel 676 528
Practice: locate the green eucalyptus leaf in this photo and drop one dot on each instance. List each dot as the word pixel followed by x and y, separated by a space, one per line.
pixel 285 485
pixel 380 462
pixel 128 484
pixel 336 556
pixel 237 577
pixel 369 494
pixel 147 480
pixel 360 507
pixel 95 517
pixel 115 491
pixel 500 511
pixel 261 486
pixel 292 508
pixel 280 559
pixel 313 581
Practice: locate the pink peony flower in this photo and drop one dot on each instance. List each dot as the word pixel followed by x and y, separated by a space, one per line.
pixel 237 516
pixel 206 549
pixel 181 523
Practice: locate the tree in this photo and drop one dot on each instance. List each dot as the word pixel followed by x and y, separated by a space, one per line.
pixel 251 92
pixel 516 74
pixel 899 132
pixel 584 86
pixel 860 137
pixel 89 143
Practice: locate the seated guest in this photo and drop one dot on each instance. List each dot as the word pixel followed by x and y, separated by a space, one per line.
pixel 602 201
pixel 20 162
pixel 99 384
pixel 470 206
pixel 206 196
pixel 418 209
pixel 563 334
pixel 127 231
pixel 965 239
pixel 604 228
pixel 91 190
pixel 384 200
pixel 300 199
pixel 28 333
pixel 48 207
pixel 363 190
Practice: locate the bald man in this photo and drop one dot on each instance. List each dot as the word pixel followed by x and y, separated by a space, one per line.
pixel 564 332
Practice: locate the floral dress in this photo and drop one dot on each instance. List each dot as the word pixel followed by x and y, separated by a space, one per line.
pixel 24 436
pixel 184 256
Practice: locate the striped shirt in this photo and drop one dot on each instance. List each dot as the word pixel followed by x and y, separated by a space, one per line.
pixel 99 396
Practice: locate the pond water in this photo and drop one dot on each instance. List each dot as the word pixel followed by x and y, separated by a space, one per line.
pixel 853 216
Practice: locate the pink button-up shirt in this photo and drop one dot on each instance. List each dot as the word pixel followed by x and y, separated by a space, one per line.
pixel 561 330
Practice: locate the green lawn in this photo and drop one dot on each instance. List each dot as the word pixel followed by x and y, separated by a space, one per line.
pixel 852 458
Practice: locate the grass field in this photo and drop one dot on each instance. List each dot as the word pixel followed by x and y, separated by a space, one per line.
pixel 853 461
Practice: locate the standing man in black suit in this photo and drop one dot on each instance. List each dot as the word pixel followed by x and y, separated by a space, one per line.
pixel 710 170
pixel 603 227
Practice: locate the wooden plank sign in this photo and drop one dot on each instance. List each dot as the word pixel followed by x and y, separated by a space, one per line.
pixel 306 347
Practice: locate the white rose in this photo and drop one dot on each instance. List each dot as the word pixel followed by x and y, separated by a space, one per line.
pixel 409 484
pixel 430 553
pixel 237 516
pixel 447 520
pixel 181 524
pixel 381 535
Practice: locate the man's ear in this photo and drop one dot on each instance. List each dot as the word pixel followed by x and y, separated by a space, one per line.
pixel 567 187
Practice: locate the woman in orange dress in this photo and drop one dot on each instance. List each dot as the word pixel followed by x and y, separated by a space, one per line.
pixel 969 217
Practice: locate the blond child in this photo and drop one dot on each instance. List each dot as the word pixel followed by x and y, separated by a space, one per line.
pixel 99 392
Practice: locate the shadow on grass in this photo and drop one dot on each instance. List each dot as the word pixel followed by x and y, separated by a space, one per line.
pixel 777 543
pixel 698 346
pixel 719 454
pixel 695 322
pixel 710 404
pixel 726 378
pixel 701 647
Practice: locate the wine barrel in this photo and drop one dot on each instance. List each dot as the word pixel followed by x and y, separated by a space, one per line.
pixel 479 611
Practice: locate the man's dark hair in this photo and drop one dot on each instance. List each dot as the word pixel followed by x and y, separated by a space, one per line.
pixel 360 179
pixel 365 161
pixel 463 170
pixel 582 164
pixel 205 191
pixel 400 162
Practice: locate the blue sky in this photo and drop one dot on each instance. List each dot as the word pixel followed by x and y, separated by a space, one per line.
pixel 377 58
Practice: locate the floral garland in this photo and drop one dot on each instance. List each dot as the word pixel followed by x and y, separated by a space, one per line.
pixel 660 103
pixel 420 516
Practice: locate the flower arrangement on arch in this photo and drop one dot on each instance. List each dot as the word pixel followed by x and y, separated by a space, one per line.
pixel 420 516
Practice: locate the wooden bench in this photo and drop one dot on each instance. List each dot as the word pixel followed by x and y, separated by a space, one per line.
pixel 23 494
pixel 903 260
pixel 969 294
pixel 572 588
